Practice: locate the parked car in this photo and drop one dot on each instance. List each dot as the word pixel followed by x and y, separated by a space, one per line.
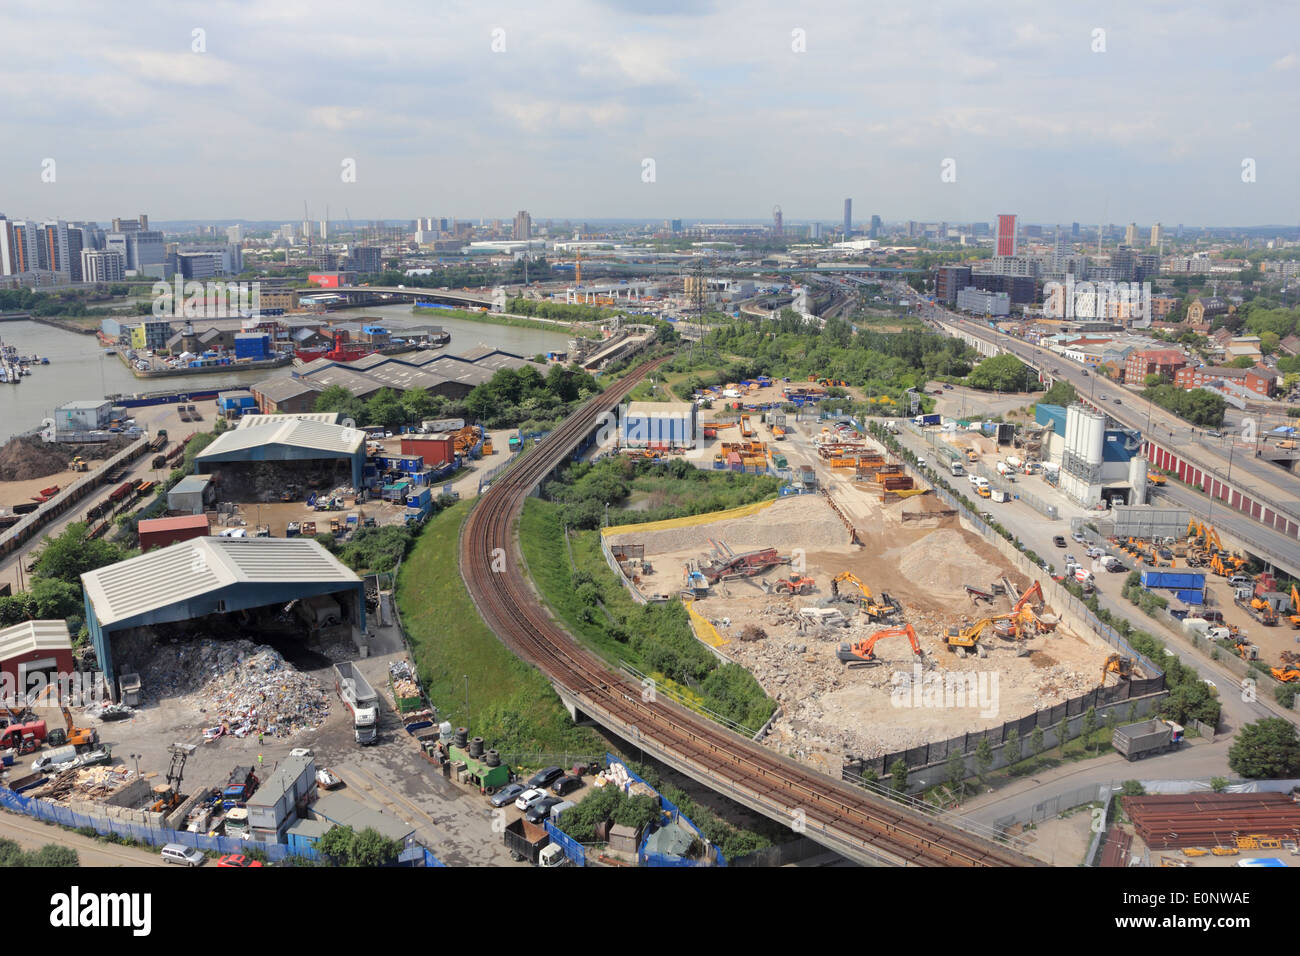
pixel 237 859
pixel 530 797
pixel 1095 552
pixel 540 810
pixel 1077 537
pixel 1214 434
pixel 1059 541
pixel 544 778
pixel 182 854
pixel 507 794
pixel 947 386
pixel 1118 402
pixel 566 784
pixel 1117 568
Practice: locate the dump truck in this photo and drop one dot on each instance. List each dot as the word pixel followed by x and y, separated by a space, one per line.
pixel 360 698
pixel 525 840
pixel 1135 741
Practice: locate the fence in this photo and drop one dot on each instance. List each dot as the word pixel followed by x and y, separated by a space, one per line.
pixel 574 850
pixel 656 859
pixel 1054 806
pixel 30 524
pixel 550 760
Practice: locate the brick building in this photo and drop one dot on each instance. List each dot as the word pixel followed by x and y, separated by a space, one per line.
pixel 1139 365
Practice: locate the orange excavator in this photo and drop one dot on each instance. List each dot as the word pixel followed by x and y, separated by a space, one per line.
pixel 1290 669
pixel 1023 621
pixel 72 735
pixel 861 653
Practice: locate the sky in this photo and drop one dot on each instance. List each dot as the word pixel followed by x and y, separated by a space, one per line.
pixel 573 109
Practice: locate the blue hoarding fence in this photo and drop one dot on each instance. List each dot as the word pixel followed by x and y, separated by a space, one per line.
pixel 156 836
pixel 571 847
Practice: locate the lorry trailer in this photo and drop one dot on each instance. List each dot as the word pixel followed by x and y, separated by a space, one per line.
pixel 355 692
pixel 1135 741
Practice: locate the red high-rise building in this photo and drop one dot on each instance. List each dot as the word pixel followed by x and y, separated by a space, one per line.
pixel 1006 244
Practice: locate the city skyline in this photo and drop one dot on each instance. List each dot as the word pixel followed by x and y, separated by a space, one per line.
pixel 738 108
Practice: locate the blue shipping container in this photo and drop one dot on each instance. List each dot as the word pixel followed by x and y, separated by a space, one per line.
pixel 1173 579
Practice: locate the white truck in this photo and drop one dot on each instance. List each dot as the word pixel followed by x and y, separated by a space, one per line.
pixel 360 698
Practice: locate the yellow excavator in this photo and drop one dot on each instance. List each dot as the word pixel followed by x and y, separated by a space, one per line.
pixel 1294 617
pixel 966 640
pixel 1024 621
pixel 861 653
pixel 1121 667
pixel 883 610
pixel 71 735
pixel 1290 669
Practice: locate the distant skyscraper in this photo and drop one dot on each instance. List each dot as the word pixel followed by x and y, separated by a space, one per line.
pixel 676 225
pixel 848 218
pixel 102 266
pixel 778 222
pixel 1006 239
pixel 815 231
pixel 234 233
pixel 523 225
pixel 1131 234
pixel 875 227
pixel 1074 230
pixel 367 259
pixel 1156 236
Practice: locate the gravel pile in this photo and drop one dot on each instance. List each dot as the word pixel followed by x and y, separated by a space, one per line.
pixel 804 521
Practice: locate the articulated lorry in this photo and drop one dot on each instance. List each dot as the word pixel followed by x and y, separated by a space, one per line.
pixel 355 691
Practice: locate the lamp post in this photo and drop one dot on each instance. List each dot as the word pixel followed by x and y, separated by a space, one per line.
pixel 466 700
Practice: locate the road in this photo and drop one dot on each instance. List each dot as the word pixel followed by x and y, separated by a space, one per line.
pixel 1036 532
pixel 33 834
pixel 13 569
pixel 1266 482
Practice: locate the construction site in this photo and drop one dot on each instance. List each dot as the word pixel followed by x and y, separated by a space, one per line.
pixel 838 599
pixel 1205 829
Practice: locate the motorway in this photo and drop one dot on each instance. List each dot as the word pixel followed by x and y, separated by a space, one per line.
pixel 1266 482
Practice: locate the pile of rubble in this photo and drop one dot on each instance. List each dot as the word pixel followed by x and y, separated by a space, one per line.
pixel 242 688
pixel 96 782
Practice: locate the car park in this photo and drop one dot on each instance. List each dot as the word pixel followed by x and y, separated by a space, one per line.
pixel 544 778
pixel 540 810
pixel 566 784
pixel 507 794
pixel 530 797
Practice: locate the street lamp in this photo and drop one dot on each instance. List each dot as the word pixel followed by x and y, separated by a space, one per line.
pixel 136 758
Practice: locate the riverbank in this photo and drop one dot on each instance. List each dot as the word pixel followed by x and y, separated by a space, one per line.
pixel 69 325
pixel 513 321
pixel 167 372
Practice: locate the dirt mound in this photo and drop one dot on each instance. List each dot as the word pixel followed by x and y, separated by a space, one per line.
pixel 946 558
pixel 24 458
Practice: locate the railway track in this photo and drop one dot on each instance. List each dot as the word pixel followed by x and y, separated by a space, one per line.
pixel 852 821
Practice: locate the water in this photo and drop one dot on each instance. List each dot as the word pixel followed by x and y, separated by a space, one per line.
pixel 80 370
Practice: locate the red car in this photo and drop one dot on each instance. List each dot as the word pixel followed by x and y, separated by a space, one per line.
pixel 237 859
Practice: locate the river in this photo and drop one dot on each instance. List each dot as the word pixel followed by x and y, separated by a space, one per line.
pixel 80 369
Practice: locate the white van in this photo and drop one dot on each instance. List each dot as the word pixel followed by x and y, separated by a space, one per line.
pixel 182 854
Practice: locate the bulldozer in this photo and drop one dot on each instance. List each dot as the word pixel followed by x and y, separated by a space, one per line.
pixel 861 653
pixel 884 610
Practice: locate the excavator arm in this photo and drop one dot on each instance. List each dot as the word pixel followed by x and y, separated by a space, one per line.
pixel 863 651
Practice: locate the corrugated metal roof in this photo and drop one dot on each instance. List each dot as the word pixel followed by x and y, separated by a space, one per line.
pixel 187 569
pixel 34 636
pixel 190 484
pixel 290 431
pixel 148 525
pixel 253 421
pixel 344 811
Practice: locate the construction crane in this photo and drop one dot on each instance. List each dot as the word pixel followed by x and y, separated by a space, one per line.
pixel 861 653
pixel 886 609
pixel 71 735
pixel 170 795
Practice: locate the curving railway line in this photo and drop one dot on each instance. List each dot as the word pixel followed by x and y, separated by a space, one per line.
pixel 853 822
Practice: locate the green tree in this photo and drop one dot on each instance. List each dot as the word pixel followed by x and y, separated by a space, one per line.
pixel 1004 373
pixel 1037 741
pixel 1011 749
pixel 1089 725
pixel 1218 784
pixel 983 756
pixel 1133 788
pixel 52 854
pixel 956 771
pixel 69 555
pixel 11 854
pixel 898 775
pixel 1267 749
pixel 1062 393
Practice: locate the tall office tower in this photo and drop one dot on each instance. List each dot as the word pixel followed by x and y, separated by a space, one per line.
pixel 523 225
pixel 1074 230
pixel 1131 234
pixel 815 231
pixel 1123 262
pixel 778 222
pixel 848 218
pixel 875 227
pixel 234 233
pixel 1006 238
pixel 53 251
pixel 1156 236
pixel 76 242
